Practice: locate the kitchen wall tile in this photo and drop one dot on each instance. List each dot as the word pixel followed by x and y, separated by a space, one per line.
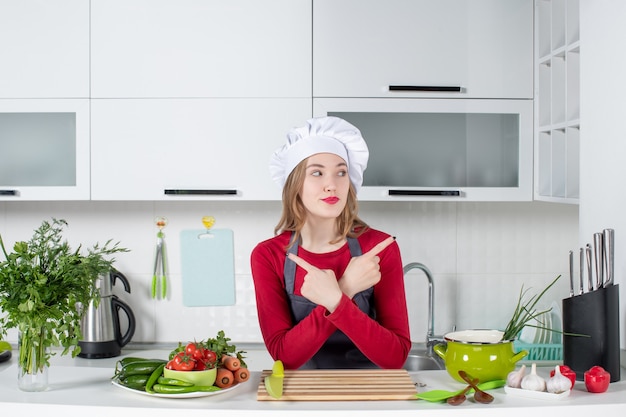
pixel 515 237
pixel 479 254
pixel 487 301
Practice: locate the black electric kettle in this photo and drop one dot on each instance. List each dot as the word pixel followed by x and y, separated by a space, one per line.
pixel 100 325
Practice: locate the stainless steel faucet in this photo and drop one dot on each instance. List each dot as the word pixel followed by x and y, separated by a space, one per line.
pixel 431 340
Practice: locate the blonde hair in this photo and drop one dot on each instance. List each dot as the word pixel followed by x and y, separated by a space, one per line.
pixel 294 213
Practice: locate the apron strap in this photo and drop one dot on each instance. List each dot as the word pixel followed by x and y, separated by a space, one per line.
pixel 289 271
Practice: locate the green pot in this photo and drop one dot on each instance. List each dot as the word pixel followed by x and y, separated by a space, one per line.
pixel 481 353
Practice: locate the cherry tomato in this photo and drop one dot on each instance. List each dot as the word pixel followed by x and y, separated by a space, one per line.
pixel 567 372
pixel 207 360
pixel 210 356
pixel 200 366
pixel 183 362
pixel 597 379
pixel 194 350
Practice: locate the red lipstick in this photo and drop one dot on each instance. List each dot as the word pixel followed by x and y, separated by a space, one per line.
pixel 331 200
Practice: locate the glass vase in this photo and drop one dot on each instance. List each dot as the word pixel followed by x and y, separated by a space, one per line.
pixel 32 365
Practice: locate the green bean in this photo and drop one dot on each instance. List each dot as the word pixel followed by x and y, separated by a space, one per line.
pixel 174 389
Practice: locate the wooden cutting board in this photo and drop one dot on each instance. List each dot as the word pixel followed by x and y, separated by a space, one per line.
pixel 343 385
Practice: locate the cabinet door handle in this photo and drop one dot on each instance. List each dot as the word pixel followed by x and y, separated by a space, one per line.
pixel 439 193
pixel 9 193
pixel 435 88
pixel 200 192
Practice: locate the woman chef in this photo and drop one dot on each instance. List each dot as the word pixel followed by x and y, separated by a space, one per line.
pixel 329 289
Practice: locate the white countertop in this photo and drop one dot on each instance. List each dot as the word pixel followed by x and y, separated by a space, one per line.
pixel 79 385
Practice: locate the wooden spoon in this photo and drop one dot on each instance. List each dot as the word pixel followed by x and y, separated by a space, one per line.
pixel 460 397
pixel 439 395
pixel 479 395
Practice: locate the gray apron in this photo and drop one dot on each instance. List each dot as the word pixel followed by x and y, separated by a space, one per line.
pixel 338 351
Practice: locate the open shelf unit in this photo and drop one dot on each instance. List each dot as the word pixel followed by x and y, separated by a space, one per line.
pixel 557 100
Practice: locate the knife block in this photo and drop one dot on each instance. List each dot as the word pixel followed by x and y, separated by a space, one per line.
pixel 596 316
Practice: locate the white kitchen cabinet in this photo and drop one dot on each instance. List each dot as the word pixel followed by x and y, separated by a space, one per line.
pixel 200 48
pixel 44 149
pixel 425 48
pixel 44 47
pixel 557 103
pixel 442 150
pixel 189 149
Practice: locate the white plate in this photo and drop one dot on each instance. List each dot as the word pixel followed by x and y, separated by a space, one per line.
pixel 539 395
pixel 556 323
pixel 178 396
pixel 528 334
pixel 546 334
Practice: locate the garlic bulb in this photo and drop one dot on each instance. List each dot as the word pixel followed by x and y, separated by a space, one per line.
pixel 558 383
pixel 514 378
pixel 532 381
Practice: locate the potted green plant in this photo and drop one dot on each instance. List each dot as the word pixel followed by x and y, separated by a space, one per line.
pixel 41 283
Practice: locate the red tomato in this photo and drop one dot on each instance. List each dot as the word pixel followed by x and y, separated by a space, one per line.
pixel 567 372
pixel 597 379
pixel 183 362
pixel 200 366
pixel 194 350
pixel 207 359
pixel 210 356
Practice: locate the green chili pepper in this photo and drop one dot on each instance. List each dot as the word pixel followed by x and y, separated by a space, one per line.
pixel 171 381
pixel 137 382
pixel 130 359
pixel 140 368
pixel 154 377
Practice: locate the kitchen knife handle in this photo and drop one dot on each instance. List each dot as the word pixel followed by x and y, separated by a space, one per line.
pixel 582 271
pixel 200 192
pixel 441 193
pixel 431 88
pixel 609 253
pixel 598 246
pixel 571 273
pixel 589 269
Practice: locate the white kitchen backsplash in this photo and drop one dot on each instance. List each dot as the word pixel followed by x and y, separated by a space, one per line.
pixel 480 255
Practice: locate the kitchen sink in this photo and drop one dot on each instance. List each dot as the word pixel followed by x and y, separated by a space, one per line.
pixel 422 361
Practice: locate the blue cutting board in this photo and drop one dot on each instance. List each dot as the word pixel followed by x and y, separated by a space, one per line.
pixel 208 267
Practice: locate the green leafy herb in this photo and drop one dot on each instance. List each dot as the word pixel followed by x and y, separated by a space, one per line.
pixel 525 312
pixel 221 346
pixel 41 284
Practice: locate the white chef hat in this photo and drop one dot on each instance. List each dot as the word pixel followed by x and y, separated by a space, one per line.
pixel 322 135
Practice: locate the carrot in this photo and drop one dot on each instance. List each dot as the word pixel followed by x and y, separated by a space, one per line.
pixel 241 375
pixel 231 363
pixel 225 378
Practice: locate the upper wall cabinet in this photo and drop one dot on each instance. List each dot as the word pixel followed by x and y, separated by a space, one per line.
pixel 200 48
pixel 44 149
pixel 44 49
pixel 423 48
pixel 441 150
pixel 189 149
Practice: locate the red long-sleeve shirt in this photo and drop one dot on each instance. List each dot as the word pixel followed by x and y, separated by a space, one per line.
pixel 385 341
